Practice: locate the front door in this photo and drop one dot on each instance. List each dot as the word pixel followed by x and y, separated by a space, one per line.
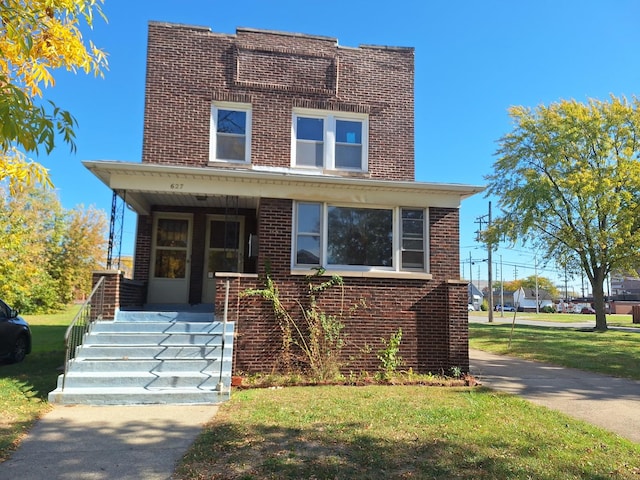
pixel 170 260
pixel 224 250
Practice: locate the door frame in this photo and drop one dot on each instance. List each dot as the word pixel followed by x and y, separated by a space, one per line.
pixel 170 290
pixel 208 281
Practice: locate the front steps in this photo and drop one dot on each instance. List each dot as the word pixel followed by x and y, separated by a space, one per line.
pixel 150 358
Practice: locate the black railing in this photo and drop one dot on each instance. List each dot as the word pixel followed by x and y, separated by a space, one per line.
pixel 91 310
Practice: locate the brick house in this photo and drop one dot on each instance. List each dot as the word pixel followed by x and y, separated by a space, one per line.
pixel 270 152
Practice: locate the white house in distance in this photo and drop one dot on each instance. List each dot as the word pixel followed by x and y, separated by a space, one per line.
pixel 526 299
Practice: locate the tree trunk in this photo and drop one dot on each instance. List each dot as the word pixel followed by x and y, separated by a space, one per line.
pixel 599 301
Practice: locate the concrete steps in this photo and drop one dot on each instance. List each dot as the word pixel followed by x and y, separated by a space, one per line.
pixel 150 358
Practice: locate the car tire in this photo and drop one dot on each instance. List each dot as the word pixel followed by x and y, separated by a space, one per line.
pixel 19 351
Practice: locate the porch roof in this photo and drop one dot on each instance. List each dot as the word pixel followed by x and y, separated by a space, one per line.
pixel 142 185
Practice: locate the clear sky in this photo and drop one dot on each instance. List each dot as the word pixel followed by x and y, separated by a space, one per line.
pixel 473 60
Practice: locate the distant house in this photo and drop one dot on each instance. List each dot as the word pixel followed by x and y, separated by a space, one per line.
pixel 500 297
pixel 475 296
pixel 527 300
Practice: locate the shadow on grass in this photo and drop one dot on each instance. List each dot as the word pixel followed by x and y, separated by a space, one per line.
pixel 227 450
pixel 36 376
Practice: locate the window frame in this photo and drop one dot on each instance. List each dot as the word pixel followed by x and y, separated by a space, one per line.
pixel 213 130
pixel 397 237
pixel 330 119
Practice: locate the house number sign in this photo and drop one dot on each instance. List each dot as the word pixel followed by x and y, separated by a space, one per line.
pixel 177 186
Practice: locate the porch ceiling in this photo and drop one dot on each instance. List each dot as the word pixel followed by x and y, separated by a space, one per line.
pixel 144 185
pixel 144 199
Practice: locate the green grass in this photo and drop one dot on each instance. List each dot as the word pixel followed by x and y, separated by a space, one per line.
pixel 618 320
pixel 382 432
pixel 24 386
pixel 611 352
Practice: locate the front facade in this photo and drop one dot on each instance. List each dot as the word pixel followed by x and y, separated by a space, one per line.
pixel 269 153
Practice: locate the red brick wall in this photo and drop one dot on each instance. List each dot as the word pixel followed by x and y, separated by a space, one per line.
pixel 142 257
pixel 188 67
pixel 431 313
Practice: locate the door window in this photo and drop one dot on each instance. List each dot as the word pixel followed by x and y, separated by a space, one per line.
pixel 172 238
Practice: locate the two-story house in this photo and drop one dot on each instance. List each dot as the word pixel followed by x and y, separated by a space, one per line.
pixel 277 153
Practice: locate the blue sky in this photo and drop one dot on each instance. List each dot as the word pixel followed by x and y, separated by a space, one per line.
pixel 473 60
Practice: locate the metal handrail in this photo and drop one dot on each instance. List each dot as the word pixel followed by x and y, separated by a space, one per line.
pixel 91 310
pixel 224 333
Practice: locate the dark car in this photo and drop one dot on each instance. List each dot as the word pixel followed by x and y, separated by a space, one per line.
pixel 587 310
pixel 15 335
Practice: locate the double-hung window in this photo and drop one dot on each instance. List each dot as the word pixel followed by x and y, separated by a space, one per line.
pixel 330 140
pixel 230 132
pixel 359 238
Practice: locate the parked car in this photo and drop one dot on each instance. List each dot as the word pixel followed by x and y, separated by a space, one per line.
pixel 506 308
pixel 587 310
pixel 15 335
pixel 470 308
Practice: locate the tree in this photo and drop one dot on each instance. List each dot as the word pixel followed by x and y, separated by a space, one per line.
pixel 568 180
pixel 47 254
pixel 37 37
pixel 531 281
pixel 82 250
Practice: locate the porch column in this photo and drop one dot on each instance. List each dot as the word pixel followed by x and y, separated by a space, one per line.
pixel 458 322
pixel 111 300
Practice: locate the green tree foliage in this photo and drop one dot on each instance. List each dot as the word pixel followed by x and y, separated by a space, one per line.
pixel 36 38
pixel 529 282
pixel 568 180
pixel 46 253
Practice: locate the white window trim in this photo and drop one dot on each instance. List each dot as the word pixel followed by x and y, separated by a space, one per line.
pixel 213 130
pixel 359 270
pixel 425 243
pixel 329 138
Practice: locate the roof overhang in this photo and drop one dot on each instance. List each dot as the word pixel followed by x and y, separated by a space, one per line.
pixel 143 185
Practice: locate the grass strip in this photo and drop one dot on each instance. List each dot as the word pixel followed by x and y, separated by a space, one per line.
pixel 611 353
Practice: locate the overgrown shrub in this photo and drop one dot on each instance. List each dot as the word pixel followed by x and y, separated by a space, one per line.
pixel 315 338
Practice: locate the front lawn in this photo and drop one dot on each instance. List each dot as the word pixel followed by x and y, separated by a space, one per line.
pixel 24 386
pixel 382 432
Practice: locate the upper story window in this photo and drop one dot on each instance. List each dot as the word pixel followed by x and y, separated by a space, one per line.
pixel 230 132
pixel 357 238
pixel 330 140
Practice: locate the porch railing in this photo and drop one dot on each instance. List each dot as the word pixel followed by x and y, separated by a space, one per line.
pixel 91 310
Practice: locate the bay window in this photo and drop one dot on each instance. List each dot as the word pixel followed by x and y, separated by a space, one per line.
pixel 359 238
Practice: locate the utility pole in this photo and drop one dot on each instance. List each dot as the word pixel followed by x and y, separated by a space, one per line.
pixel 501 288
pixel 471 280
pixel 537 294
pixel 490 270
pixel 480 221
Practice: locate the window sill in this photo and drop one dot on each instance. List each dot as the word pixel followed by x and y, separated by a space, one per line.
pixel 367 274
pixel 229 163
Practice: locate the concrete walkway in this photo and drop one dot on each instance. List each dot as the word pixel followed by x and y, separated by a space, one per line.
pixel 107 443
pixel 609 402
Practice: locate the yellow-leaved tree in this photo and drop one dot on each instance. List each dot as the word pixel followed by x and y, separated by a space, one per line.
pixel 568 180
pixel 36 38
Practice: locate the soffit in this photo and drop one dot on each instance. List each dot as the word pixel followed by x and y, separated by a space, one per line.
pixel 143 185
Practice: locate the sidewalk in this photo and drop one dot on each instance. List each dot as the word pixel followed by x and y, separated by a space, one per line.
pixel 108 442
pixel 608 402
